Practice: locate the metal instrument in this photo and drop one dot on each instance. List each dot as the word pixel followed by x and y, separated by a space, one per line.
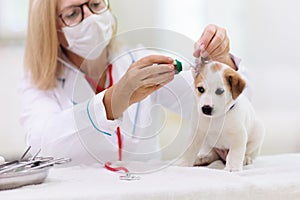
pixel 30 171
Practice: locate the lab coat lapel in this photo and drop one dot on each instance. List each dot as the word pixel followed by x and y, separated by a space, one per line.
pixel 73 88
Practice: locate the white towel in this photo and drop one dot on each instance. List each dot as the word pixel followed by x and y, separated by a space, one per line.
pixel 270 177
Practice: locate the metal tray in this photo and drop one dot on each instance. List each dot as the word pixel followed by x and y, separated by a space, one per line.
pixel 23 178
pixel 18 173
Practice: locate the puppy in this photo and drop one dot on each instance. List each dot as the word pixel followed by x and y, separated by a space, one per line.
pixel 226 125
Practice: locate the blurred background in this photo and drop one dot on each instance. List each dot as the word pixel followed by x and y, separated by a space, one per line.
pixel 264 33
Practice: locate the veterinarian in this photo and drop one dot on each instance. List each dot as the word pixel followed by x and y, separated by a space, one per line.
pixel 77 103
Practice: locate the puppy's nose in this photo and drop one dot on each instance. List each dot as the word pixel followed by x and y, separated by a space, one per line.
pixel 207 110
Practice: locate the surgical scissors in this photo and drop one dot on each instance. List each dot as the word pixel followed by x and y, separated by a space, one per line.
pixel 33 163
pixel 15 161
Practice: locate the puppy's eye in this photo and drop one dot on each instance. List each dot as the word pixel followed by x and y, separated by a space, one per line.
pixel 201 90
pixel 219 91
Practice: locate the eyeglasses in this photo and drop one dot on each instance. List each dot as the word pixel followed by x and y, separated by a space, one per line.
pixel 74 15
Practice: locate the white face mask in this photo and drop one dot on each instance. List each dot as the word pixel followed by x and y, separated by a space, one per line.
pixel 89 38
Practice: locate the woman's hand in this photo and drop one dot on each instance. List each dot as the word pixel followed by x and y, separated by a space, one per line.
pixel 214 43
pixel 142 78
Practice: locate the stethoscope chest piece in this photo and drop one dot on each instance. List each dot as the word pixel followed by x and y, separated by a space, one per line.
pixel 129 177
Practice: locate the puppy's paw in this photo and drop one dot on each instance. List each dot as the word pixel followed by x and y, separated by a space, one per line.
pixel 248 160
pixel 230 168
pixel 202 161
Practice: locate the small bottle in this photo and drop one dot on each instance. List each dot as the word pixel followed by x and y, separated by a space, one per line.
pixel 178 66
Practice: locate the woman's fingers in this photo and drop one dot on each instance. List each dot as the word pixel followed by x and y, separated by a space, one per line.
pixel 207 35
pixel 158 80
pixel 218 43
pixel 213 42
pixel 221 51
pixel 155 70
pixel 153 59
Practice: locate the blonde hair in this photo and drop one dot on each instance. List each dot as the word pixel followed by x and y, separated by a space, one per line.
pixel 42 46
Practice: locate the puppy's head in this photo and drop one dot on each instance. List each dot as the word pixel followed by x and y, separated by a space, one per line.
pixel 217 88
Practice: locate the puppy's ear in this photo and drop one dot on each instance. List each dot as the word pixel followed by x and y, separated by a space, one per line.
pixel 235 82
pixel 199 67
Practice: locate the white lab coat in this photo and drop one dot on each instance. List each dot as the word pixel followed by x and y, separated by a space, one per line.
pixel 65 121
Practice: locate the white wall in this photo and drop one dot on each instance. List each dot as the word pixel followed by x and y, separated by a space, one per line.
pixel 13 18
pixel 12 139
pixel 272 52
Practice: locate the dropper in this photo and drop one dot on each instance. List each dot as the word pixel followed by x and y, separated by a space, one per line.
pixel 198 61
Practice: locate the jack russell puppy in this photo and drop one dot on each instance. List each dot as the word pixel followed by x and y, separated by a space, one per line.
pixel 226 125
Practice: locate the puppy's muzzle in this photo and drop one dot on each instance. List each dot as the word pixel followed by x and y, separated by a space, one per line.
pixel 207 110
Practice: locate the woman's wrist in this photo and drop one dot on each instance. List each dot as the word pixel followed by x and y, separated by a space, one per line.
pixel 114 104
pixel 228 61
pixel 107 101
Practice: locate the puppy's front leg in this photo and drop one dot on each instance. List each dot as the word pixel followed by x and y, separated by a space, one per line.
pixel 236 154
pixel 190 155
pixel 206 156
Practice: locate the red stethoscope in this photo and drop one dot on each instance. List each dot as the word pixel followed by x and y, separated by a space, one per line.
pixel 108 165
pixel 100 89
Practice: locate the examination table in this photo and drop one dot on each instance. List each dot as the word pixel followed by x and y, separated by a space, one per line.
pixel 270 177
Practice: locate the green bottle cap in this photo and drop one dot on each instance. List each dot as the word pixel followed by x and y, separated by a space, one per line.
pixel 178 66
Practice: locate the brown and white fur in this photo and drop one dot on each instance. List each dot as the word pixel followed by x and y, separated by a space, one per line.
pixel 227 127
